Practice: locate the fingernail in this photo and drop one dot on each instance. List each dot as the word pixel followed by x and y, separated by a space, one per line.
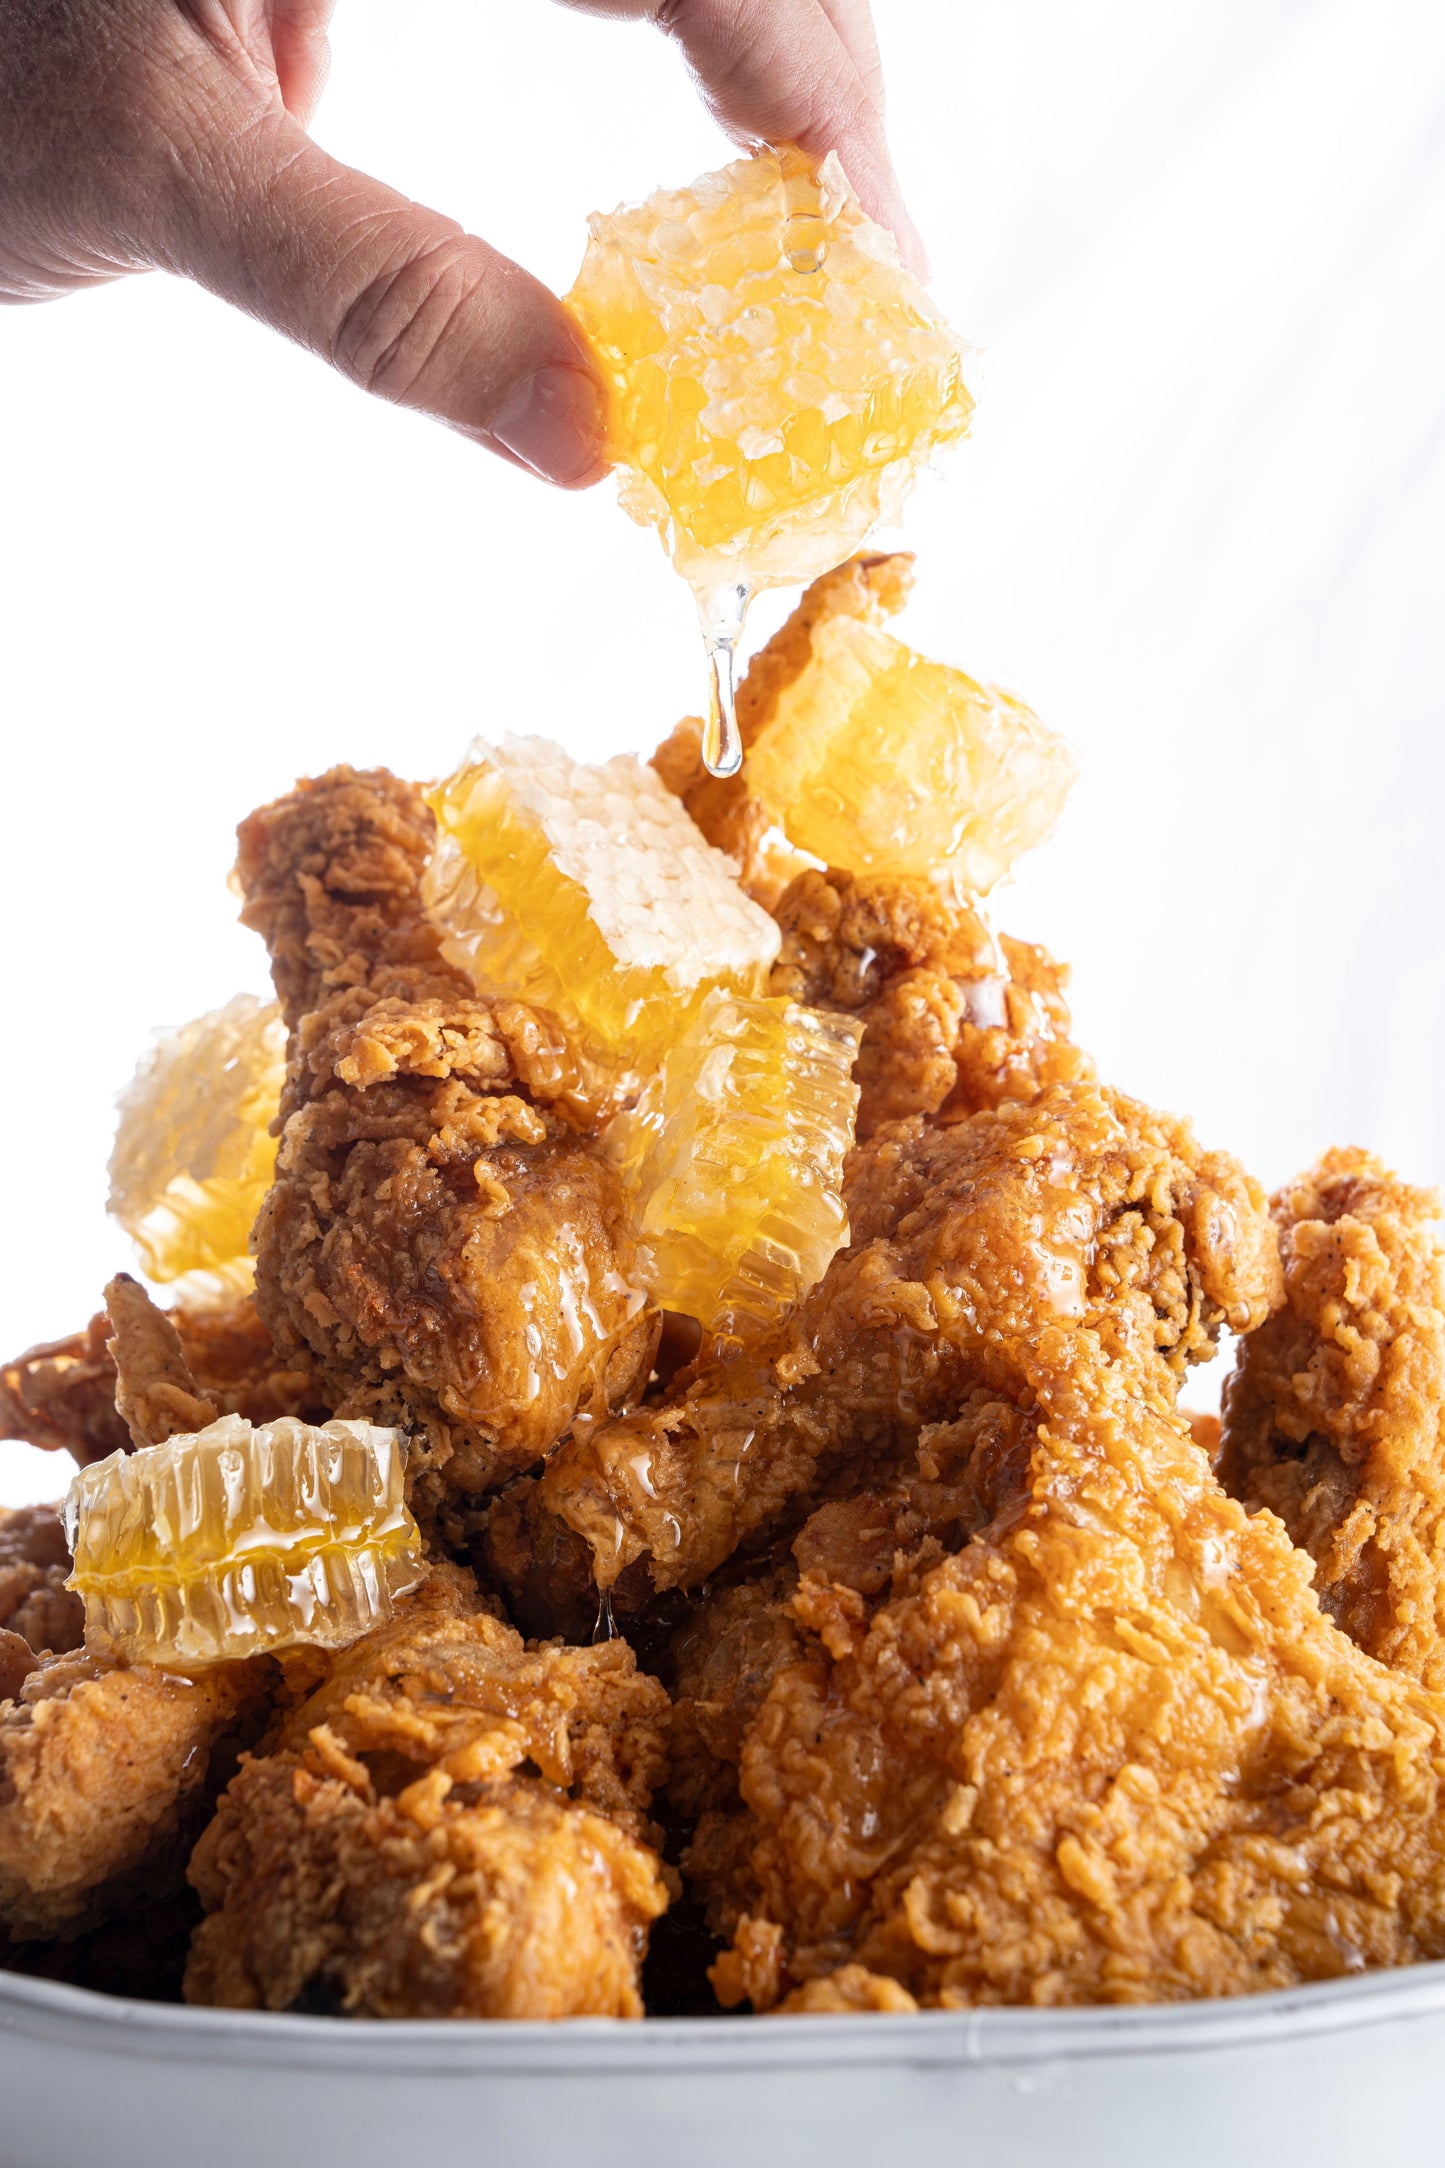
pixel 553 422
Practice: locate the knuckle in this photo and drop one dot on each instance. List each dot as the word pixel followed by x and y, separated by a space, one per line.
pixel 390 333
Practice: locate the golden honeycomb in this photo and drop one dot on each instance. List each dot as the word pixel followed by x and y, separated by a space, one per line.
pixel 733 1157
pixel 881 761
pixel 193 1156
pixel 589 891
pixel 778 377
pixel 233 1540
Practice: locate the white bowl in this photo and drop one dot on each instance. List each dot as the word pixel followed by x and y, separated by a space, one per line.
pixel 1328 2077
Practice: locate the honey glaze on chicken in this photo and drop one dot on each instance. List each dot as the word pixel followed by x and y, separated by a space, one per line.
pixel 898 1628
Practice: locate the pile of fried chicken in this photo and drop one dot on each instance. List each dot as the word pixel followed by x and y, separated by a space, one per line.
pixel 926 1653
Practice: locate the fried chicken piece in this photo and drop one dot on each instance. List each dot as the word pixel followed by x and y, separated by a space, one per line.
pixel 967 1243
pixel 870 588
pixel 103 1773
pixel 62 1396
pixel 1110 1750
pixel 17 1661
pixel 1334 1417
pixel 35 1603
pixel 450 1825
pixel 955 1018
pixel 154 1388
pixel 440 1246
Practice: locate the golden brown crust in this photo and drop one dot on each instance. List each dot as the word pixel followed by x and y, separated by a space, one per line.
pixel 954 1018
pixel 154 1389
pixel 1334 1417
pixel 61 1396
pixel 440 1246
pixel 102 1771
pixel 35 1603
pixel 449 1825
pixel 966 1243
pixel 869 588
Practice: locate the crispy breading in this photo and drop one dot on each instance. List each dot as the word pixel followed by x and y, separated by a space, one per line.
pixel 34 1600
pixel 966 1242
pixel 441 1246
pixel 870 588
pixel 102 1774
pixel 17 1661
pixel 450 1825
pixel 1334 1417
pixel 1110 1750
pixel 62 1395
pixel 154 1389
pixel 955 1018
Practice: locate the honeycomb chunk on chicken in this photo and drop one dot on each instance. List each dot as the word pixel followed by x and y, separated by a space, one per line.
pixel 193 1149
pixel 590 891
pixel 1334 1417
pixel 733 1157
pixel 449 1825
pixel 444 1247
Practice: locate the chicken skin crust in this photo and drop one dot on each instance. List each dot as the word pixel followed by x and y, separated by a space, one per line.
pixel 967 1243
pixel 1110 1750
pixel 449 1824
pixel 35 1603
pixel 1335 1415
pixel 62 1396
pixel 955 1017
pixel 443 1248
pixel 103 1773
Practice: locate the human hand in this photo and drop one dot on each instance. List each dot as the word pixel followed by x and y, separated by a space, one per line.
pixel 171 134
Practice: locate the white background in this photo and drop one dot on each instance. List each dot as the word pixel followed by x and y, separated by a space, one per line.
pixel 1200 526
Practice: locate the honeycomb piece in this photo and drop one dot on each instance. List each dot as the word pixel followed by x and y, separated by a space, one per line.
pixel 230 1541
pixel 589 891
pixel 193 1156
pixel 778 377
pixel 734 1156
pixel 880 761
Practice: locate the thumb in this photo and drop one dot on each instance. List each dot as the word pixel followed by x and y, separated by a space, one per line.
pixel 395 296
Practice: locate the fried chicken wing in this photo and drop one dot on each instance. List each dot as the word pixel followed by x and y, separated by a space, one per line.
pixel 1334 1417
pixel 449 1825
pixel 441 1246
pixel 62 1396
pixel 1110 1750
pixel 870 588
pixel 967 1243
pixel 103 1773
pixel 955 1018
pixel 35 1603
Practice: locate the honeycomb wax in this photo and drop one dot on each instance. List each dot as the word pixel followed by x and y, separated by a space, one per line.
pixel 589 891
pixel 778 377
pixel 733 1158
pixel 878 760
pixel 193 1156
pixel 233 1540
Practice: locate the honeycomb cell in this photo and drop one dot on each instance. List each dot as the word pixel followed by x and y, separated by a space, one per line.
pixel 778 377
pixel 881 761
pixel 589 891
pixel 233 1540
pixel 193 1156
pixel 733 1157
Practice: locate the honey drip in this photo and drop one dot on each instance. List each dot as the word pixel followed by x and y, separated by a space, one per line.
pixel 721 611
